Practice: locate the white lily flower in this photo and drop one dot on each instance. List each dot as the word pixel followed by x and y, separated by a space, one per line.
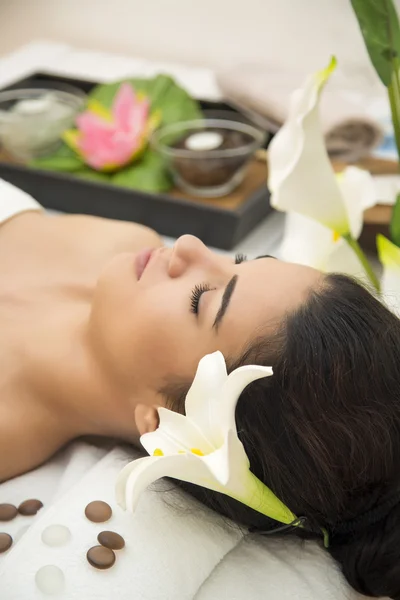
pixel 203 447
pixel 301 178
pixel 389 255
pixel 310 243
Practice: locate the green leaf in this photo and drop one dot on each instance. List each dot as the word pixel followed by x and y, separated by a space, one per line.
pixel 388 253
pixel 173 102
pixel 88 173
pixel 63 159
pixel 395 223
pixel 379 25
pixel 149 174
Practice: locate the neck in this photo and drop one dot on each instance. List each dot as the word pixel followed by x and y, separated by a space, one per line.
pixel 70 384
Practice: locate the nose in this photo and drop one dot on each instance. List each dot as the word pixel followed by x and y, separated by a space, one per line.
pixel 188 251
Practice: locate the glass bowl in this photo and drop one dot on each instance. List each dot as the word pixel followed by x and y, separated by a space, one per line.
pixel 32 120
pixel 208 157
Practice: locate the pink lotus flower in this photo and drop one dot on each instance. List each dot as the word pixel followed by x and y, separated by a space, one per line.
pixel 108 140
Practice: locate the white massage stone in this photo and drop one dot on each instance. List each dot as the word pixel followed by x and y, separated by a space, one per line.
pixel 205 140
pixel 56 535
pixel 34 106
pixel 50 580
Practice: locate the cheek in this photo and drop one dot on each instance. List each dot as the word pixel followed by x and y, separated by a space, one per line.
pixel 160 329
pixel 167 341
pixel 148 333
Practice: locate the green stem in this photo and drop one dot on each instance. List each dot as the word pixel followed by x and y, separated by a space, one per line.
pixel 354 245
pixel 394 99
pixel 394 86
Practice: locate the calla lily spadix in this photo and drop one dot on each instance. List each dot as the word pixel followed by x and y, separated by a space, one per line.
pixel 202 446
pixel 301 178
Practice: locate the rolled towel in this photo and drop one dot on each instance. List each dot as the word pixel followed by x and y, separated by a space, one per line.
pixel 263 93
pixel 14 201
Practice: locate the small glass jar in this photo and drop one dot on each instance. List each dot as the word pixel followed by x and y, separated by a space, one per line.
pixel 208 157
pixel 32 120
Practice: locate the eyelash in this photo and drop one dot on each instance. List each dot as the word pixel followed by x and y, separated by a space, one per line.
pixel 239 258
pixel 196 294
pixel 199 290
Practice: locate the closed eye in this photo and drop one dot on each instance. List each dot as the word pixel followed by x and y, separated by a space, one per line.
pixel 195 296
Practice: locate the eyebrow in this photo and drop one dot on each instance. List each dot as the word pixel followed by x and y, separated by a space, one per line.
pixel 226 297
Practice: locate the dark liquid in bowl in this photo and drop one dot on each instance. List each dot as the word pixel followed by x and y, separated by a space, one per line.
pixel 201 170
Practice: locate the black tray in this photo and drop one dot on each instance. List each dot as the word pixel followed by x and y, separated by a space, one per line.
pixel 213 223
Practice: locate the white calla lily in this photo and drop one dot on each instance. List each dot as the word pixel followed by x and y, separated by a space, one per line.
pixel 389 255
pixel 203 447
pixel 308 242
pixel 301 180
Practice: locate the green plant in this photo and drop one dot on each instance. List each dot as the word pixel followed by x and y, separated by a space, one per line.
pixel 379 24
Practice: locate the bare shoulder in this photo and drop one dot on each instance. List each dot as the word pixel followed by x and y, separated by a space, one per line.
pixel 123 234
pixel 24 444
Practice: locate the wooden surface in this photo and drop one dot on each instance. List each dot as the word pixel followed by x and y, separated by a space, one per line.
pixel 255 178
pixel 379 214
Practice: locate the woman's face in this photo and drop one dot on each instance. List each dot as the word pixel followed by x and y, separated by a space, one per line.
pixel 153 325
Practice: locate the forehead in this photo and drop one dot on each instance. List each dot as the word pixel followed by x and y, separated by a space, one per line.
pixel 266 290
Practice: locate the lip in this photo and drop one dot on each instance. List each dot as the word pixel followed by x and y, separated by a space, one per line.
pixel 142 260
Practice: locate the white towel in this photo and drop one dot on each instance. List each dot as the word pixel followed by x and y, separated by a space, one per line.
pixel 14 201
pixel 175 548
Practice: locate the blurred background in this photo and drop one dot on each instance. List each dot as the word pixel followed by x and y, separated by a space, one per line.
pixel 214 33
pixel 246 56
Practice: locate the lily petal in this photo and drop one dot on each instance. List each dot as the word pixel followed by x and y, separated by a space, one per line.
pixel 179 430
pixel 301 178
pixel 237 381
pixel 140 473
pixel 210 376
pixel 343 259
pixel 156 440
pixel 307 242
pixel 358 191
pixel 389 255
pixel 229 464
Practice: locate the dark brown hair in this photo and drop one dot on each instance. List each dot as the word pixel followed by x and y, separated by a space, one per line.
pixel 324 432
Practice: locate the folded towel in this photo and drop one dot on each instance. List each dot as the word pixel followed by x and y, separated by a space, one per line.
pixel 14 201
pixel 176 549
pixel 264 94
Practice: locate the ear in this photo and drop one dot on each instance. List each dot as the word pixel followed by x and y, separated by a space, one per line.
pixel 146 418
